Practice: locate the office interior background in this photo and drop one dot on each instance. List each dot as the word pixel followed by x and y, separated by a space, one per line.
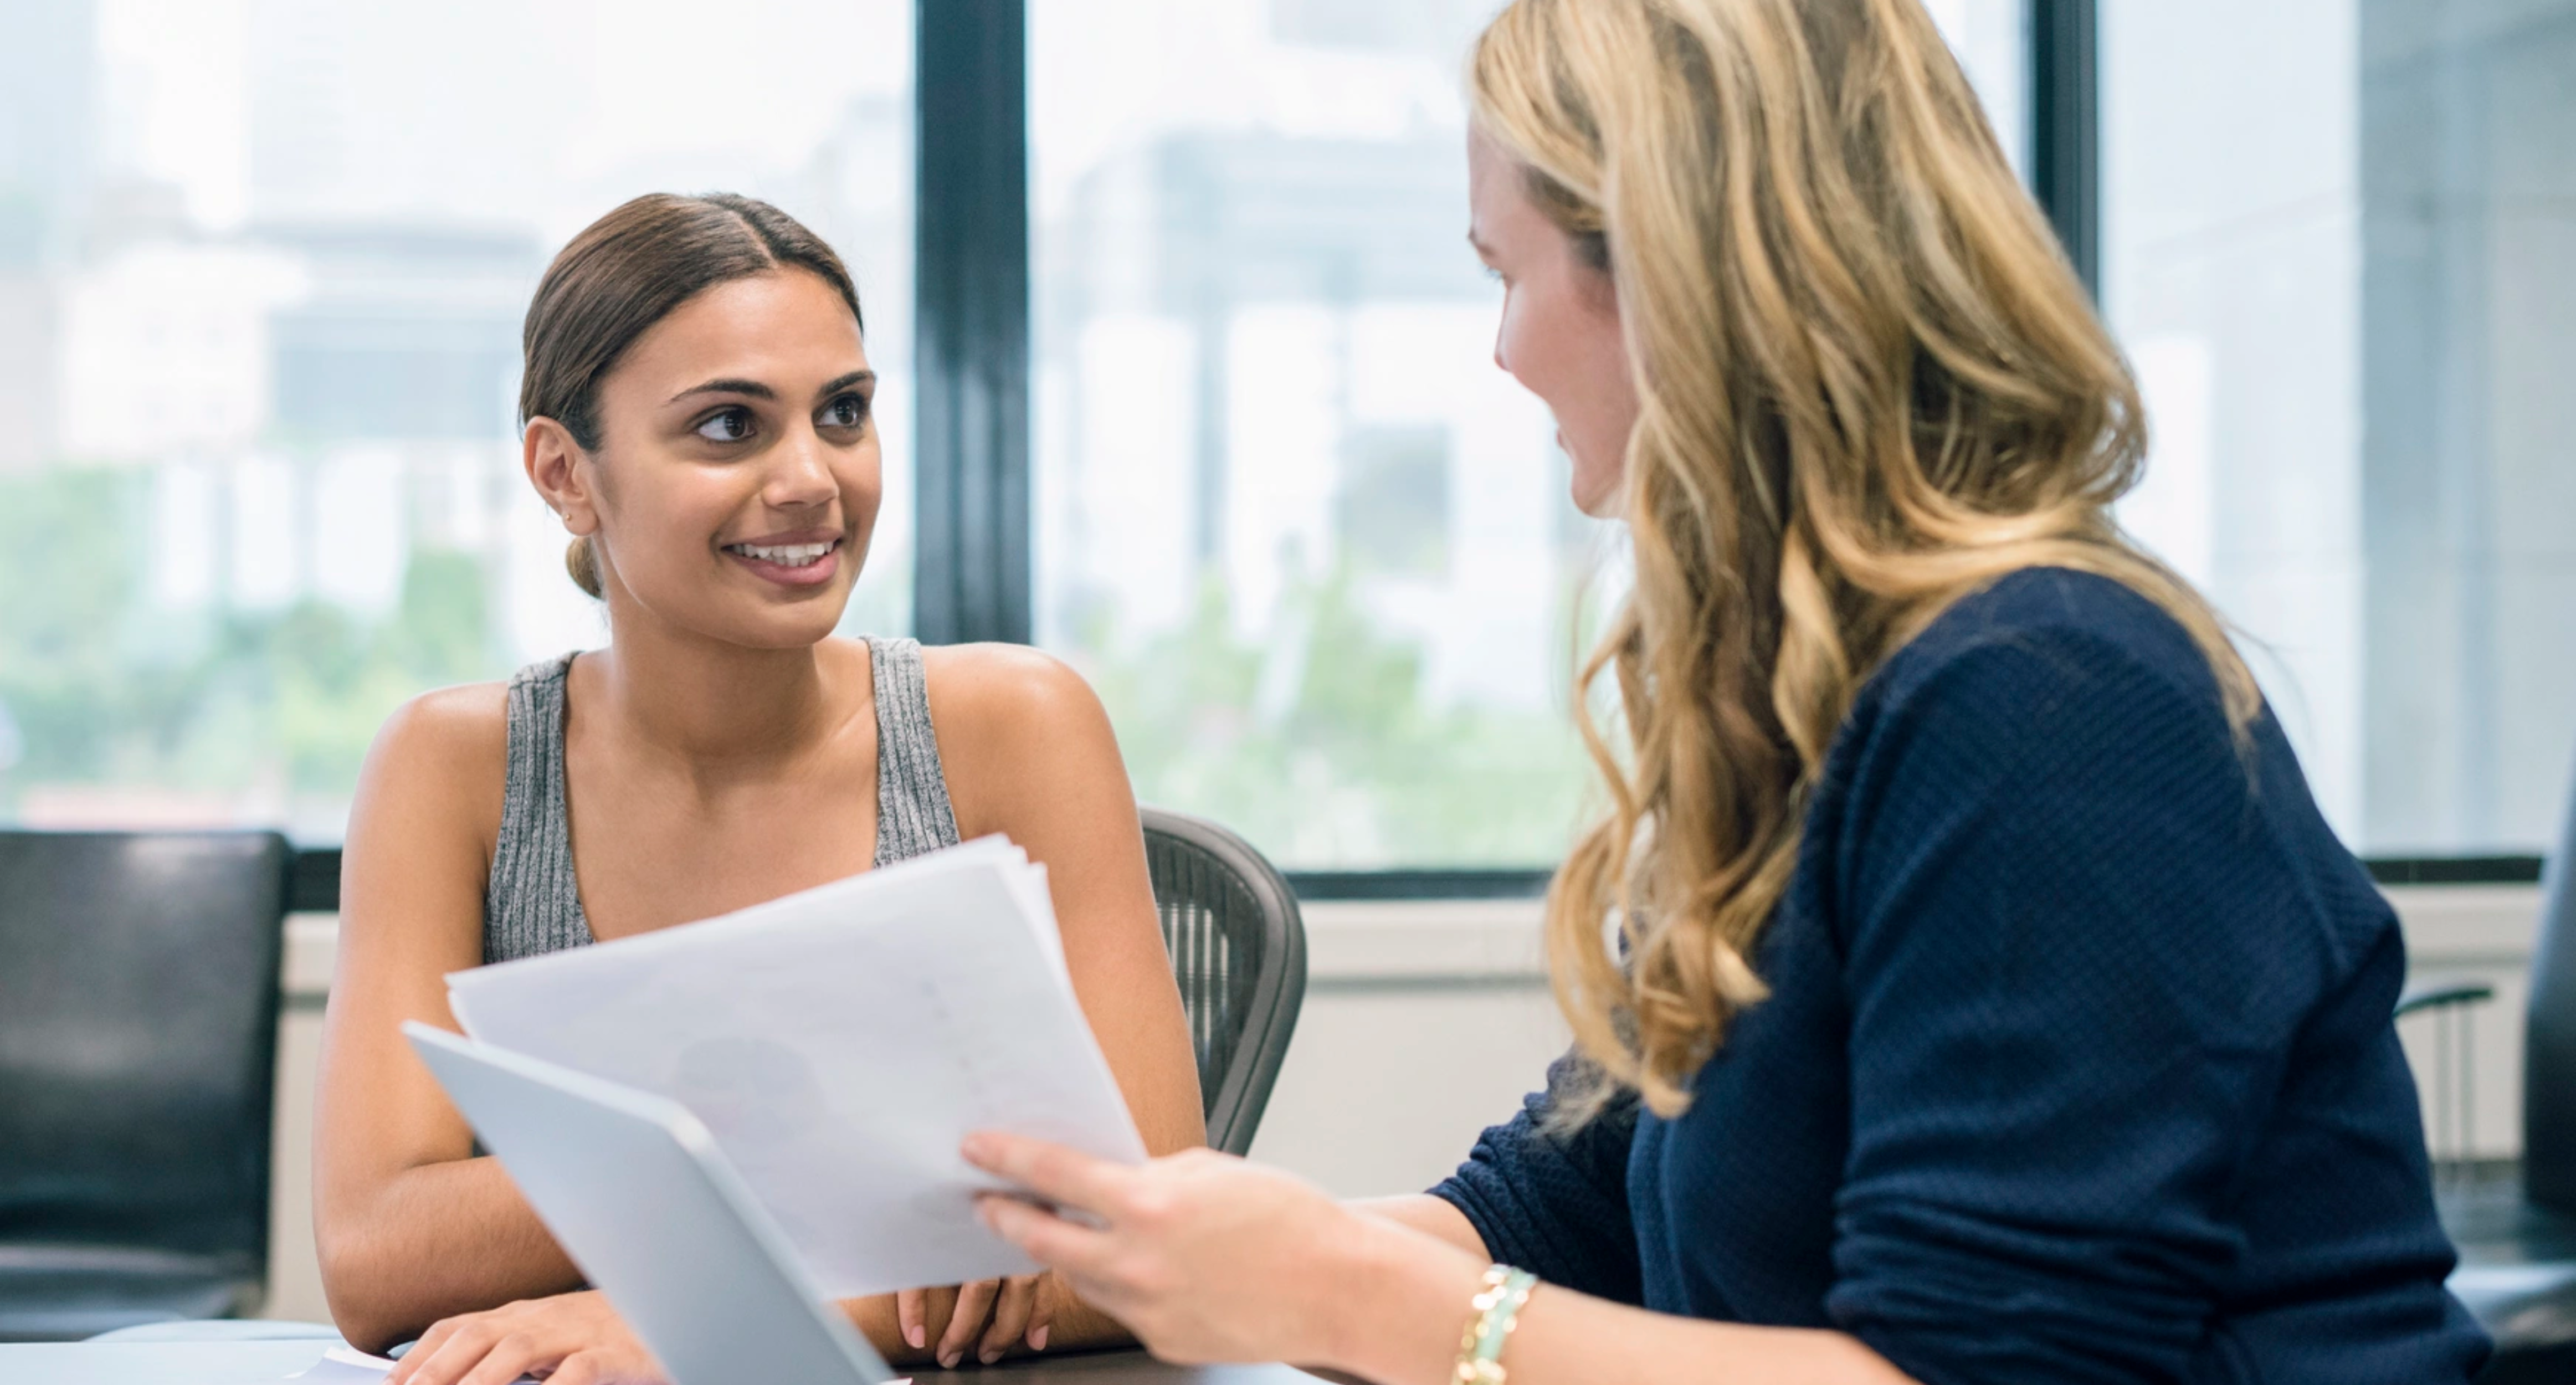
pixel 262 266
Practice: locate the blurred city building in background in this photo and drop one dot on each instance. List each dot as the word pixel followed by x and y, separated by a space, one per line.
pixel 263 262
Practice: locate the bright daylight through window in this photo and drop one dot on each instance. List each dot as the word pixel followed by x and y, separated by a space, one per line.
pixel 262 264
pixel 262 267
pixel 2337 240
pixel 1312 546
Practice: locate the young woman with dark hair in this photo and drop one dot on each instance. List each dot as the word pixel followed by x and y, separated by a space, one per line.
pixel 697 411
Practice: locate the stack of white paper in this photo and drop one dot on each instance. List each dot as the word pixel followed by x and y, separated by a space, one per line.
pixel 839 1044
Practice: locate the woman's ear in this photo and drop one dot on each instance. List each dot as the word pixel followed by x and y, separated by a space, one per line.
pixel 560 470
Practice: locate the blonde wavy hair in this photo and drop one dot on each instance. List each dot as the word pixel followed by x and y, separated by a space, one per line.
pixel 1869 385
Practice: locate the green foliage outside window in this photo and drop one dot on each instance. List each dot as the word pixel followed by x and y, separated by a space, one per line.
pixel 1320 746
pixel 106 691
pixel 1317 742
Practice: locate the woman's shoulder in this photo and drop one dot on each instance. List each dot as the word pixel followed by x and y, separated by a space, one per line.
pixel 452 723
pixel 2045 627
pixel 1020 734
pixel 445 750
pixel 1005 690
pixel 2066 740
pixel 2042 674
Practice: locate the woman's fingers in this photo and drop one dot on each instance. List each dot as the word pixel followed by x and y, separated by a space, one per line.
pixel 534 1337
pixel 974 1301
pixel 1052 1171
pixel 409 1367
pixel 1010 1317
pixel 580 1368
pixel 1045 1237
pixel 513 1356
pixel 450 1348
pixel 1041 1314
pixel 476 1351
pixel 911 1311
pixel 605 1367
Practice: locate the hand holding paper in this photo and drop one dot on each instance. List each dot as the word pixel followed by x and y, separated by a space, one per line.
pixel 839 1044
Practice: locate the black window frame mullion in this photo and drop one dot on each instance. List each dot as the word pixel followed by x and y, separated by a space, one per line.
pixel 971 306
pixel 2066 128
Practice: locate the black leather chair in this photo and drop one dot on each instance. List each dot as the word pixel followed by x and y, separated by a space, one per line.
pixel 138 1029
pixel 2515 1224
pixel 1238 951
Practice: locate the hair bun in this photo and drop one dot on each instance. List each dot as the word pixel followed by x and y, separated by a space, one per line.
pixel 583 565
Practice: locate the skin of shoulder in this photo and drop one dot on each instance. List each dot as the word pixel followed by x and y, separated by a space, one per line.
pixel 449 746
pixel 1012 723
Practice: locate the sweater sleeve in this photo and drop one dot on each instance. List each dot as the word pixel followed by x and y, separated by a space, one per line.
pixel 2077 953
pixel 1555 1204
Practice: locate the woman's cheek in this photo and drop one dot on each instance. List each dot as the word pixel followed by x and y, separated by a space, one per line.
pixel 863 491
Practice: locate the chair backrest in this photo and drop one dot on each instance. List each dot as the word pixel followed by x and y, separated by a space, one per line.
pixel 1239 953
pixel 2549 1038
pixel 138 1032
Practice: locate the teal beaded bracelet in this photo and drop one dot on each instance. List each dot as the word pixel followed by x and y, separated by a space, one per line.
pixel 1496 1310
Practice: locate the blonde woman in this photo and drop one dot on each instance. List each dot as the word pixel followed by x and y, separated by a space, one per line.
pixel 1988 1000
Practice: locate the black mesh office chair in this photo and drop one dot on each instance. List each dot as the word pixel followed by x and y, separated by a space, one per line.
pixel 1239 952
pixel 138 1032
pixel 2515 1224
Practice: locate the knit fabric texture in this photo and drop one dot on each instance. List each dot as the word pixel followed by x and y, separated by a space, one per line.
pixel 532 901
pixel 2077 1065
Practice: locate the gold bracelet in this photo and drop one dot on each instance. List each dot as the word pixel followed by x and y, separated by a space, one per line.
pixel 1495 1311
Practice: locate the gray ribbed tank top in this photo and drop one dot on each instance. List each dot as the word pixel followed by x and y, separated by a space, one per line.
pixel 532 903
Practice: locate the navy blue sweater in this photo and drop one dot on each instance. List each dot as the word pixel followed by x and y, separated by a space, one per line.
pixel 2077 1064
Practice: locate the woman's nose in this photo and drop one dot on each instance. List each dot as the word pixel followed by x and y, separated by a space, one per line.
pixel 802 474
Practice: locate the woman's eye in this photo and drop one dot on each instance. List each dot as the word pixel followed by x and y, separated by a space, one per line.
pixel 726 425
pixel 848 411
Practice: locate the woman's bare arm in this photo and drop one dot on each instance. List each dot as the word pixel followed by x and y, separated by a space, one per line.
pixel 410 1226
pixel 1029 752
pixel 1431 1216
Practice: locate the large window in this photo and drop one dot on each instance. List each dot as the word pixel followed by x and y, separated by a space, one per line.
pixel 1312 546
pixel 2337 243
pixel 262 266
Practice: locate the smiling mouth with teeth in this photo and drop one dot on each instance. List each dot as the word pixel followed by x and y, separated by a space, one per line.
pixel 785 554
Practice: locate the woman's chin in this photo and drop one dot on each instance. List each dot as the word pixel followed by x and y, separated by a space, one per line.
pixel 801 627
pixel 1597 497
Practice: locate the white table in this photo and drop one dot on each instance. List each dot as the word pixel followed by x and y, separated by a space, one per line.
pixel 136 1363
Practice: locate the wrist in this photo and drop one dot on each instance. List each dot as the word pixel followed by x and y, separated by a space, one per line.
pixel 1401 1296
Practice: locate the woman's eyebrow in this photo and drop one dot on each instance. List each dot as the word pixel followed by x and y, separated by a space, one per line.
pixel 855 377
pixel 753 388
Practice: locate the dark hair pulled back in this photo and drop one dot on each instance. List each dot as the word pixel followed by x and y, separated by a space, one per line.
pixel 629 270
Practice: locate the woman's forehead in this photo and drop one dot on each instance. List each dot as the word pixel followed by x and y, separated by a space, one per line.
pixel 786 322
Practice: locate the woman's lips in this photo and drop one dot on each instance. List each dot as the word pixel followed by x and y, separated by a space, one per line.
pixel 812 573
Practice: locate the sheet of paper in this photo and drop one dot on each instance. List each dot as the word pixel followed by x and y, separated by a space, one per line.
pixel 344 1366
pixel 839 1044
